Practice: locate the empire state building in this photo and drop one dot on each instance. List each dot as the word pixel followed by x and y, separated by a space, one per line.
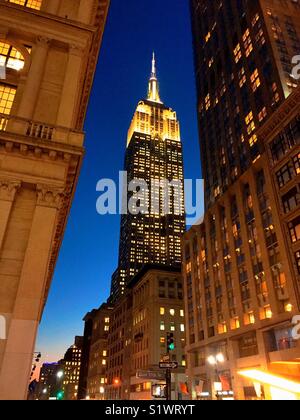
pixel 154 155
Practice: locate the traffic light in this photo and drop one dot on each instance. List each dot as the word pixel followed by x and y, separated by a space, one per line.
pixel 60 395
pixel 170 342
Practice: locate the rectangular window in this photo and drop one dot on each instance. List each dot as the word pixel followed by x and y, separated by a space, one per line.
pixel 7 96
pixel 162 311
pixel 297 163
pixel 291 200
pixel 297 257
pixel 162 326
pixel 284 175
pixel 294 228
pixel 33 4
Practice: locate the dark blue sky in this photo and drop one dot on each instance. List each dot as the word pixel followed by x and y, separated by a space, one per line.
pixel 89 252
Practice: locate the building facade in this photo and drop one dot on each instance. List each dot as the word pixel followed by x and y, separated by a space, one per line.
pixel 48 54
pixel 244 54
pixel 49 382
pixel 151 308
pixel 241 272
pixel 153 222
pixel 97 378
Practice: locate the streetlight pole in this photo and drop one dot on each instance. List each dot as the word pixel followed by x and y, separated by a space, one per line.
pixel 215 361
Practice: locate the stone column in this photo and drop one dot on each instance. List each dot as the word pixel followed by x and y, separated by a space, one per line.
pixel 34 79
pixel 69 96
pixel 18 354
pixel 8 191
pixel 85 11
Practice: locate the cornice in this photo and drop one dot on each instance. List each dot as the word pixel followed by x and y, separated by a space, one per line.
pixel 281 117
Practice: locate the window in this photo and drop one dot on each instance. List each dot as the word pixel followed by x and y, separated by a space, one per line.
pixel 182 328
pixel 294 228
pixel 103 362
pixel 284 175
pixel 172 328
pixel 182 313
pixel 172 312
pixel 255 80
pixel 162 311
pixel 297 257
pixel 106 320
pixel 33 4
pixel 297 163
pixel 10 57
pixel 162 326
pixel 7 96
pixel 104 353
pixel 106 328
pixel 291 200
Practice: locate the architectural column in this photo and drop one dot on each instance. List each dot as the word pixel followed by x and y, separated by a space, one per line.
pixel 18 353
pixel 34 78
pixel 85 11
pixel 8 191
pixel 69 97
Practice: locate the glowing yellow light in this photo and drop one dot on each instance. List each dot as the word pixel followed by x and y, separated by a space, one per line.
pixel 271 380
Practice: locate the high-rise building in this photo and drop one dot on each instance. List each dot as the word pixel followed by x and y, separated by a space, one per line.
pixel 243 62
pixel 48 56
pixel 153 155
pixel 71 369
pixel 241 264
pixel 49 380
pixel 150 309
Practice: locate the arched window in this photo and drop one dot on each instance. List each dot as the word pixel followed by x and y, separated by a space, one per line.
pixel 10 57
pixel 33 4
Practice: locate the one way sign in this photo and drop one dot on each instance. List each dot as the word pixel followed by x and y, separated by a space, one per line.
pixel 168 365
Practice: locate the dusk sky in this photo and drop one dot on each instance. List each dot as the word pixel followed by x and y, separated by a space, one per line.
pixel 89 252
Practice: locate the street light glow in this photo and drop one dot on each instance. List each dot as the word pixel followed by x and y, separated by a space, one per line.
pixel 60 374
pixel 220 358
pixel 212 360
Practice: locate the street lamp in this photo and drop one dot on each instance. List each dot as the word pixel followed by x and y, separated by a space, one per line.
pixel 215 360
pixel 60 374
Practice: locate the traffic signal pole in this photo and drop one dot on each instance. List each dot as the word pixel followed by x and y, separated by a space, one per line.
pixel 169 385
pixel 170 343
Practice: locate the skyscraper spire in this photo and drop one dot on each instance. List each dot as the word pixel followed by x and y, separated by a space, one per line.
pixel 153 90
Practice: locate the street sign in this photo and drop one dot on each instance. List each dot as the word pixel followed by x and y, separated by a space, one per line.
pixel 166 358
pixel 151 375
pixel 168 365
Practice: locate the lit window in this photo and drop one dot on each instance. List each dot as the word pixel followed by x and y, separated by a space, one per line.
pixel 162 326
pixel 162 340
pixel 106 328
pixel 162 311
pixel 268 312
pixel 172 312
pixel 104 353
pixel 10 57
pixel 237 53
pixel 172 327
pixel 255 80
pixel 247 43
pixel 182 327
pixel 182 313
pixel 106 320
pixel 33 4
pixel 103 362
pixel 7 96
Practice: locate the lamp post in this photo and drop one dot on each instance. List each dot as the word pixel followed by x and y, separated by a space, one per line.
pixel 215 361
